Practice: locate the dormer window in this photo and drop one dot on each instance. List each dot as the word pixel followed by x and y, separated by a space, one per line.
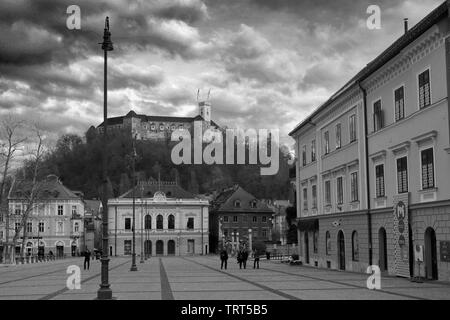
pixel 237 203
pixel 253 204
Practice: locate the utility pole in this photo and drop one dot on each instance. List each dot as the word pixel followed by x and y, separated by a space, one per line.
pixel 105 292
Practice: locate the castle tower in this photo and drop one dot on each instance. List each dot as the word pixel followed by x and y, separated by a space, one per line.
pixel 205 110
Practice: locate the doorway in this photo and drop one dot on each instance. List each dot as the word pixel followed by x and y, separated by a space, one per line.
pixel 159 247
pixel 431 270
pixel 306 247
pixel 191 245
pixel 382 250
pixel 148 248
pixel 59 251
pixel 171 247
pixel 341 250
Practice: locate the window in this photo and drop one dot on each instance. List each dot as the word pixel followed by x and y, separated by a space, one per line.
pixel 74 210
pixel 355 246
pixel 152 127
pixel 340 190
pixel 313 150
pixel 76 227
pixel 159 222
pixel 253 204
pixel 379 180
pixel 17 226
pixel 424 89
pixel 264 219
pixel 354 186
pixel 427 169
pixel 29 227
pixel 18 209
pixel 328 243
pixel 161 127
pixel 338 136
pixel 237 203
pixel 314 196
pixel 377 116
pixel 41 226
pixel 127 223
pixel 190 223
pixel 402 175
pixel 304 156
pixel 148 222
pixel 235 219
pixel 305 199
pixel 59 227
pixel 315 241
pixel 255 219
pixel 60 210
pixel 171 222
pixel 399 97
pixel 225 218
pixel 327 193
pixel 264 233
pixel 327 142
pixel 352 128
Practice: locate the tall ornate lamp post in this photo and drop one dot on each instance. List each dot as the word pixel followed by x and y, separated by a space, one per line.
pixel 133 256
pixel 105 292
pixel 142 224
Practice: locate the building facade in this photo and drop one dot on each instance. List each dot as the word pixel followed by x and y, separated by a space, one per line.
pixel 236 217
pixel 387 201
pixel 55 222
pixel 168 221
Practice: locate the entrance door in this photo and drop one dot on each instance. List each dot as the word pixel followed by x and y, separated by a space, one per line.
pixel 171 247
pixel 190 246
pixel 159 247
pixel 341 250
pixel 74 250
pixel 382 250
pixel 306 247
pixel 431 270
pixel 59 251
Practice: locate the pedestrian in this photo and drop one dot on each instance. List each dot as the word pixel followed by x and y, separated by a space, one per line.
pixel 223 258
pixel 239 259
pixel 256 259
pixel 244 258
pixel 87 259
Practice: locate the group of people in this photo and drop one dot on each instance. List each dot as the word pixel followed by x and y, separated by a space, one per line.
pixel 242 257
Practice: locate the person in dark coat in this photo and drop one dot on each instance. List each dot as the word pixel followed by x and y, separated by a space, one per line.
pixel 223 258
pixel 256 259
pixel 87 259
pixel 244 258
pixel 239 259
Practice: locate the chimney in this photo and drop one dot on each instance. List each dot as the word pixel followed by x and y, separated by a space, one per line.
pixel 405 22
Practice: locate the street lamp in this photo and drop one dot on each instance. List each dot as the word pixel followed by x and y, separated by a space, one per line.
pixel 105 292
pixel 142 224
pixel 133 256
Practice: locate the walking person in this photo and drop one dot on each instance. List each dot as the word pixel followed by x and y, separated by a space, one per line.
pixel 87 259
pixel 239 259
pixel 244 258
pixel 256 259
pixel 223 258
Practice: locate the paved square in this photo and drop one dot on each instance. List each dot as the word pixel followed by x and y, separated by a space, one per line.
pixel 200 277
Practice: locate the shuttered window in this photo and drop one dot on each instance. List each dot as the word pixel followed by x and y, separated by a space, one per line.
pixel 402 175
pixel 424 89
pixel 399 96
pixel 427 169
pixel 379 178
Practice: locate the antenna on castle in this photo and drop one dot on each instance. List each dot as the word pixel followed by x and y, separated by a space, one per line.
pixel 198 92
pixel 208 93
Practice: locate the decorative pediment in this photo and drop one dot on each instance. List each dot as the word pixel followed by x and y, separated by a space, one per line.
pixel 400 148
pixel 425 137
pixel 159 196
pixel 378 156
pixel 352 164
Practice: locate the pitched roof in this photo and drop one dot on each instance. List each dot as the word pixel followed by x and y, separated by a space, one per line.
pixel 49 189
pixel 394 49
pixel 171 190
pixel 224 201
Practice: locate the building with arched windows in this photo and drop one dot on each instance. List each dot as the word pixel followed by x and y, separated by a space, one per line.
pixel 168 221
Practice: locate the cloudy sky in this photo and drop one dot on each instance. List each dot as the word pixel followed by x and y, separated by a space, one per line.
pixel 268 63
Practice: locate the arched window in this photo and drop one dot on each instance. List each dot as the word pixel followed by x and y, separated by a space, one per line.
pixel 328 242
pixel 159 222
pixel 171 222
pixel 148 222
pixel 355 246
pixel 253 204
pixel 237 203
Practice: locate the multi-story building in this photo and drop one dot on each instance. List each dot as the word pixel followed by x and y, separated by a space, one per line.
pixel 168 220
pixel 279 222
pixel 145 127
pixel 55 222
pixel 234 212
pixel 384 198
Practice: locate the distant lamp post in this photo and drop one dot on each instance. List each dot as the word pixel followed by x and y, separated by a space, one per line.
pixel 250 239
pixel 105 292
pixel 142 224
pixel 133 256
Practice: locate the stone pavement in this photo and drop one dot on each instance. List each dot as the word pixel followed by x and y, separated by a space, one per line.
pixel 200 277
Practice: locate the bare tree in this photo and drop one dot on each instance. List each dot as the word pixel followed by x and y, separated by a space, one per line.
pixel 11 141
